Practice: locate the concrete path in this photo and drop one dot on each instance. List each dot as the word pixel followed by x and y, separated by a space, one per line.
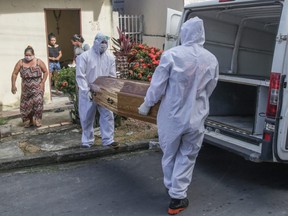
pixel 58 140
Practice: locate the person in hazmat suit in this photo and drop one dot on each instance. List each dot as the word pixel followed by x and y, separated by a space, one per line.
pixel 90 65
pixel 184 79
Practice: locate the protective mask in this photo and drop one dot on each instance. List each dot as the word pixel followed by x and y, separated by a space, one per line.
pixel 103 48
pixel 29 58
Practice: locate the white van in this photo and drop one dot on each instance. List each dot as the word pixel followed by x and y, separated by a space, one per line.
pixel 249 107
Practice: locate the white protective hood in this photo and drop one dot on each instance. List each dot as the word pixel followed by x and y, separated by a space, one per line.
pixel 91 64
pixel 183 81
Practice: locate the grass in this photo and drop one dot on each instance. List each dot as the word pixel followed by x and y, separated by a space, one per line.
pixel 134 130
pixel 3 121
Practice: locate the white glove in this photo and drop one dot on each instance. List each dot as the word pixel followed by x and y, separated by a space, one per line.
pixel 89 95
pixel 143 109
pixel 72 65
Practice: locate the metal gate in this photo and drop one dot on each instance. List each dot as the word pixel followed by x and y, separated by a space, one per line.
pixel 132 25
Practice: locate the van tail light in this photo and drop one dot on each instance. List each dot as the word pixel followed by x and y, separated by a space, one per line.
pixel 267 136
pixel 273 95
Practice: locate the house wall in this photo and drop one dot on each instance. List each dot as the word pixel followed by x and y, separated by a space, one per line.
pixel 23 23
pixel 155 13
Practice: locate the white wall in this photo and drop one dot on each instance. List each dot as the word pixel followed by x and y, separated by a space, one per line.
pixel 23 23
pixel 155 12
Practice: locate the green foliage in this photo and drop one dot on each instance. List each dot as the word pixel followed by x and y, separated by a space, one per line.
pixel 67 81
pixel 3 121
pixel 67 84
pixel 143 60
pixel 122 45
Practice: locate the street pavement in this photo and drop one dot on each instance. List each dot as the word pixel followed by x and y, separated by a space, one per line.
pixel 56 141
pixel 131 184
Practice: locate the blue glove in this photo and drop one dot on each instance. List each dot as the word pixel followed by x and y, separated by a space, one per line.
pixel 144 109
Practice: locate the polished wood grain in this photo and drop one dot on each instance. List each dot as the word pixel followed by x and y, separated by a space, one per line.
pixel 123 97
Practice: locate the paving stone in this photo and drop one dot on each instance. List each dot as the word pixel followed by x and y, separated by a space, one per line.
pixel 65 123
pixel 10 150
pixel 54 125
pixel 5 130
pixel 43 127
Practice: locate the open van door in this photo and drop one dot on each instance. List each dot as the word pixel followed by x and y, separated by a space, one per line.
pixel 172 27
pixel 280 64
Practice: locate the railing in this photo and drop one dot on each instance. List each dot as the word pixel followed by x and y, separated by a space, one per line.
pixel 132 25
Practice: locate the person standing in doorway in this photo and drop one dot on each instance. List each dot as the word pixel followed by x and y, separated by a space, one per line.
pixel 55 54
pixel 94 63
pixel 183 81
pixel 34 73
pixel 79 46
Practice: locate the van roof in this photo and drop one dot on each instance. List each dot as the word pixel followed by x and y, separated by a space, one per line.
pixel 228 2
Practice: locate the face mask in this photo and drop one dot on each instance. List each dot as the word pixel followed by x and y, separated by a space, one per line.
pixel 29 58
pixel 103 48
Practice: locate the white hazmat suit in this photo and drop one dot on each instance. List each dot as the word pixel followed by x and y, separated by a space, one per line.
pixel 90 65
pixel 183 81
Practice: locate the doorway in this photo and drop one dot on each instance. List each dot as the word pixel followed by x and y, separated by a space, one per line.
pixel 63 23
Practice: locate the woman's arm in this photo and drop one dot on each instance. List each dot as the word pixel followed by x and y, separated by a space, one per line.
pixel 59 56
pixel 14 77
pixel 45 74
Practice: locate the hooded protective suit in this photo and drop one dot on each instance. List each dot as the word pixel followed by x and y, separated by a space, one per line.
pixel 90 65
pixel 183 81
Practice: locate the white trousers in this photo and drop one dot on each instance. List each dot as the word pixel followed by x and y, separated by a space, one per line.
pixel 87 112
pixel 178 161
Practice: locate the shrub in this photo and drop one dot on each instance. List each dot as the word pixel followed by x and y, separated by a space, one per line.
pixel 122 45
pixel 67 81
pixel 143 61
pixel 67 84
pixel 3 121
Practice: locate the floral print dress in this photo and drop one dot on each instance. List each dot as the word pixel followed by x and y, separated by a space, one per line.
pixel 31 103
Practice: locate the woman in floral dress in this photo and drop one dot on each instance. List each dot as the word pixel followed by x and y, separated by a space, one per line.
pixel 34 73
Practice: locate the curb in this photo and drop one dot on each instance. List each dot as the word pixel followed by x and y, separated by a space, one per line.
pixel 70 155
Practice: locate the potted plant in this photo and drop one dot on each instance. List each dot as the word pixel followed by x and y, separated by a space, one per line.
pixel 121 48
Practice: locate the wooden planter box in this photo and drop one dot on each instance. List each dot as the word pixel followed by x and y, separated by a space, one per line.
pixel 123 97
pixel 122 66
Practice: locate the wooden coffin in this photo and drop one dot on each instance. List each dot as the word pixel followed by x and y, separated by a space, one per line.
pixel 123 97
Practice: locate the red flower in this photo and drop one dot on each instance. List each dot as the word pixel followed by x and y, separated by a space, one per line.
pixel 142 61
pixel 65 83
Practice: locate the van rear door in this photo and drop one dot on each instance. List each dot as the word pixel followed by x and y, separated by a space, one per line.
pixel 280 65
pixel 172 27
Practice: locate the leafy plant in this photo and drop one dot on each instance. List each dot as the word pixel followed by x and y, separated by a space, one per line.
pixel 122 45
pixel 67 84
pixel 143 60
pixel 67 81
pixel 3 121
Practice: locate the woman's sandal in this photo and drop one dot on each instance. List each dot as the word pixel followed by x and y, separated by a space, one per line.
pixel 28 124
pixel 38 123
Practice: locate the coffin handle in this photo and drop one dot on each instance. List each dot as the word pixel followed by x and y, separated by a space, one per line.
pixel 110 101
